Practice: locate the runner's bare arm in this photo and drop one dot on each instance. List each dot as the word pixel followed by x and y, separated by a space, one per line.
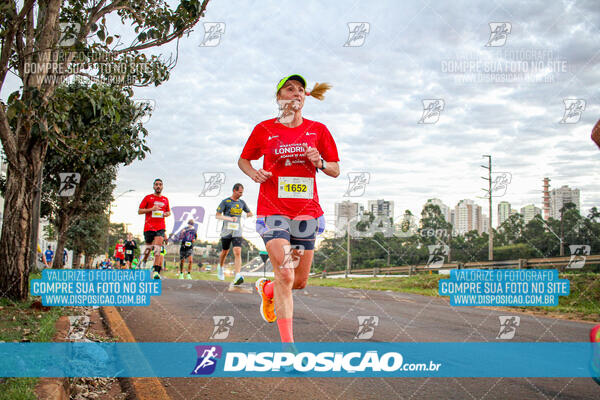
pixel 259 176
pixel 224 217
pixel 147 210
pixel 331 168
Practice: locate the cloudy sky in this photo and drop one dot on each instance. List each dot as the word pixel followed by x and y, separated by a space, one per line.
pixel 501 95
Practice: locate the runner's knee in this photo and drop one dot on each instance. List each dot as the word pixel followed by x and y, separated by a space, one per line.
pixel 286 277
pixel 300 284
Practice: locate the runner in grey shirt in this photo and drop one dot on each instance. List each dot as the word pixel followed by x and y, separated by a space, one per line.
pixel 230 212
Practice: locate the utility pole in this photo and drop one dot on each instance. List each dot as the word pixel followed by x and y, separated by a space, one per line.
pixel 562 233
pixel 346 207
pixel 348 243
pixel 489 190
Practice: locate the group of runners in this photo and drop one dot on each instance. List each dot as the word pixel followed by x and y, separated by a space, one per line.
pixel 124 253
pixel 289 216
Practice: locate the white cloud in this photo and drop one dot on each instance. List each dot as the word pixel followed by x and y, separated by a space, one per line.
pixel 216 95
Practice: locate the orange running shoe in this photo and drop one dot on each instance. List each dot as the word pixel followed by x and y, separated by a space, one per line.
pixel 267 305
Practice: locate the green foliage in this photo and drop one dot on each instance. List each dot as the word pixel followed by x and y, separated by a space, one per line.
pixel 514 252
pixel 99 132
pixel 87 235
pixel 513 240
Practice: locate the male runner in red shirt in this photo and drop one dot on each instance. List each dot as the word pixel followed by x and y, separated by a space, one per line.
pixel 156 207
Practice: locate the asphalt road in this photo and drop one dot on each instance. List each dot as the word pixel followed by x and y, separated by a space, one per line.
pixel 184 313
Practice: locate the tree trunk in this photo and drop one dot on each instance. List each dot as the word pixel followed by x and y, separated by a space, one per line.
pixel 16 226
pixel 62 227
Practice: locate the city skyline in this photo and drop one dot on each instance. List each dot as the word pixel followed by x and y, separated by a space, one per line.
pixel 202 116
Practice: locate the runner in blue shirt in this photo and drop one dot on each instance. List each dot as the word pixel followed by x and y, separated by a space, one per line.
pixel 48 256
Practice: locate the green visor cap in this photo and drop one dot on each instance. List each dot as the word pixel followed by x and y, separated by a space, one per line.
pixel 294 77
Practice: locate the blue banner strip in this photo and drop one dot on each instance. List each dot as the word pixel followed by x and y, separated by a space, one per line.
pixel 226 359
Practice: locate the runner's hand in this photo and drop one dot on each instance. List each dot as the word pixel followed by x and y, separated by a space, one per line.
pixel 233 219
pixel 312 154
pixel 261 176
pixel 155 208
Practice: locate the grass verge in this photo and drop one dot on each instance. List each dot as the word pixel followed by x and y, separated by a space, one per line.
pixel 21 323
pixel 582 303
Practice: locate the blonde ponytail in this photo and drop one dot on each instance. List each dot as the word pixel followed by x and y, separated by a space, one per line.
pixel 319 90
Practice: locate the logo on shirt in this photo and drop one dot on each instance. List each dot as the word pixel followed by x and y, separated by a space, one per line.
pixel 272 137
pixel 310 133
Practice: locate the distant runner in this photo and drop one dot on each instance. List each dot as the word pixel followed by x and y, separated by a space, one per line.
pixel 186 251
pixel 48 257
pixel 230 212
pixel 120 254
pixel 130 246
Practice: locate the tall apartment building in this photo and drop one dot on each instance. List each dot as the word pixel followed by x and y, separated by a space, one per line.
pixel 467 216
pixel 503 212
pixel 345 211
pixel 561 196
pixel 381 208
pixel 530 211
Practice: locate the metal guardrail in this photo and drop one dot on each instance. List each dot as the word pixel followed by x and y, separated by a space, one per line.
pixel 553 262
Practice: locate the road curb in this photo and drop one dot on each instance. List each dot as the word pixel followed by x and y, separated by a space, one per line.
pixel 144 388
pixel 55 388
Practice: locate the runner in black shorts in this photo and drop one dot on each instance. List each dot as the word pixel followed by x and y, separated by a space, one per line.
pixel 156 208
pixel 130 246
pixel 186 252
pixel 230 212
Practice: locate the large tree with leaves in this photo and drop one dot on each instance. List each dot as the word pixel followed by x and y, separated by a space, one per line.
pixel 42 43
pixel 87 235
pixel 95 144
